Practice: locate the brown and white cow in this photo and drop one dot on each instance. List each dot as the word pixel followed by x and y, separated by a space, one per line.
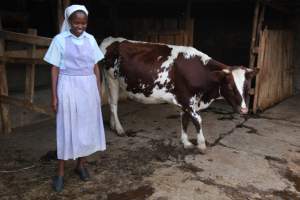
pixel 157 73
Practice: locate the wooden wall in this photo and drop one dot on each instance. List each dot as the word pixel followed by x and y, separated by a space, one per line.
pixel 274 82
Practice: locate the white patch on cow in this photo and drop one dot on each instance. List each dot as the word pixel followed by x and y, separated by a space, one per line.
pixel 184 137
pixel 220 95
pixel 113 85
pixel 227 71
pixel 185 140
pixel 163 77
pixel 205 105
pixel 188 52
pixel 239 79
pixel 201 140
pixel 108 41
pixel 197 104
pixel 158 96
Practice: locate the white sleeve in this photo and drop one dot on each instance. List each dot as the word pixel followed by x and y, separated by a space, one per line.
pixel 98 55
pixel 53 55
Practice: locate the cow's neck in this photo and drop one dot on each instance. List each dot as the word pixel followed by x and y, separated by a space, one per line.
pixel 214 65
pixel 212 94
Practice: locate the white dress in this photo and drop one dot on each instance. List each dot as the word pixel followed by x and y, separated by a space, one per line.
pixel 79 123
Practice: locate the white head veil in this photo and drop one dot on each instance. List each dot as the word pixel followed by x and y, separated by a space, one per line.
pixel 68 12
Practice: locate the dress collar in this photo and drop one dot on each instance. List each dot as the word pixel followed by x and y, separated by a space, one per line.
pixel 69 34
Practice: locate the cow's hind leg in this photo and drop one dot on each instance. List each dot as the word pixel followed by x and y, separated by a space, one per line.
pixel 113 103
pixel 184 124
pixel 196 119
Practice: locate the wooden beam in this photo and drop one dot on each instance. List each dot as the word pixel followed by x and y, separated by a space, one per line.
pixel 25 38
pixel 30 71
pixel 14 60
pixel 4 109
pixel 26 105
pixel 24 53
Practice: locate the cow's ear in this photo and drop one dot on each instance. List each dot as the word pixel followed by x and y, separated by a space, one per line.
pixel 219 76
pixel 250 73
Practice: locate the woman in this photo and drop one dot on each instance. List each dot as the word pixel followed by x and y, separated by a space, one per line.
pixel 73 55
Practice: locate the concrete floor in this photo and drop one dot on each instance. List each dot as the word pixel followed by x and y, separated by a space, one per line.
pixel 257 157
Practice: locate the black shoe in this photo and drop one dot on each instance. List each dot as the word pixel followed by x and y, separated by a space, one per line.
pixel 58 183
pixel 83 173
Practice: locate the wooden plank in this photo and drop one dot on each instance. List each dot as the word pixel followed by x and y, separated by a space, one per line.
pixel 25 38
pixel 4 109
pixel 255 50
pixel 261 55
pixel 30 71
pixel 26 105
pixel 261 19
pixel 24 53
pixel 254 33
pixel 21 60
pixel 275 80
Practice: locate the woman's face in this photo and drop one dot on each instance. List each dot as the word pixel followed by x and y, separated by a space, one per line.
pixel 78 21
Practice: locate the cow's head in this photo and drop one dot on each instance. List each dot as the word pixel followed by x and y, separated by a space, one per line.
pixel 235 87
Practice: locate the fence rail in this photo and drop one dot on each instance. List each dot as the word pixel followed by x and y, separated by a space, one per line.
pixel 31 56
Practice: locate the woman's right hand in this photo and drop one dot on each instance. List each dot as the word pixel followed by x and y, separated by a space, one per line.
pixel 54 104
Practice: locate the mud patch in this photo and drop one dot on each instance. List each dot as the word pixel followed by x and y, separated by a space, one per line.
pixel 229 117
pixel 167 150
pixel 286 195
pixel 187 167
pixel 251 130
pixel 158 129
pixel 133 133
pixel 140 193
pixel 297 161
pixel 173 117
pixel 49 156
pixel 278 160
pixel 294 178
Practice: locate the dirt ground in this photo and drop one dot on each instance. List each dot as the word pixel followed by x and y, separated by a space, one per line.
pixel 255 157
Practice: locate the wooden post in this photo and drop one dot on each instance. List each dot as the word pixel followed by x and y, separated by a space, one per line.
pixel 254 34
pixel 188 25
pixel 61 6
pixel 30 71
pixel 4 109
pixel 255 50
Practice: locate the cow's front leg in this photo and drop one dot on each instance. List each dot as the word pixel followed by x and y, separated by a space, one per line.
pixel 184 124
pixel 196 119
pixel 113 104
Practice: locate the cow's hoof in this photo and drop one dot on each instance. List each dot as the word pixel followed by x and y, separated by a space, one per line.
pixel 122 134
pixel 188 146
pixel 202 148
